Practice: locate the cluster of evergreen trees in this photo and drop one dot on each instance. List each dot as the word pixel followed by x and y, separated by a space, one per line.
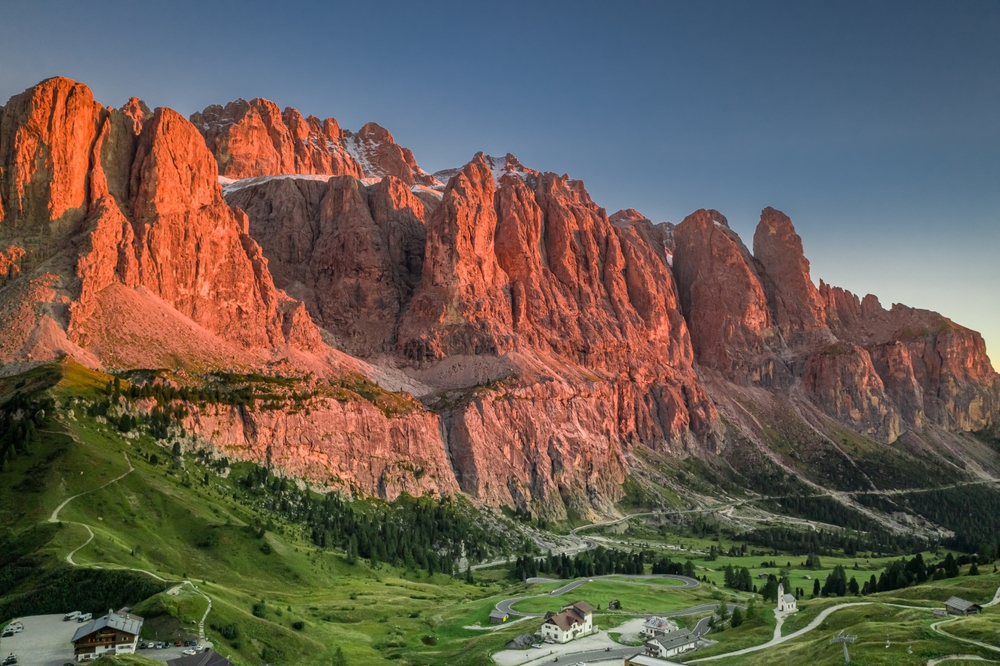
pixel 665 565
pixel 904 573
pixel 823 509
pixel 825 542
pixel 20 419
pixel 417 533
pixel 740 578
pixel 598 562
pixel 220 389
pixel 971 512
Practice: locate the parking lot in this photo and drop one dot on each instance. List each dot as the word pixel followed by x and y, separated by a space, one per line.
pixel 47 641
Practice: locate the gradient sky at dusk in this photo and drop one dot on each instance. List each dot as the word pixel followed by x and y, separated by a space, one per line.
pixel 874 125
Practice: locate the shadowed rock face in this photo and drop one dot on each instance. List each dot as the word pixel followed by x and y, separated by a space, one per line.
pixel 791 295
pixel 557 345
pixel 724 302
pixel 352 253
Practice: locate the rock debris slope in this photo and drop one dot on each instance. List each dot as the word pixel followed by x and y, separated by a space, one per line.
pixel 556 350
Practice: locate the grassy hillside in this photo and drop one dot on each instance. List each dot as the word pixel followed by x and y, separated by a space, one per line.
pixel 171 532
pixel 159 519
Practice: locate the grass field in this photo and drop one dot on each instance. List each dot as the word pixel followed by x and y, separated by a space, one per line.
pixel 634 597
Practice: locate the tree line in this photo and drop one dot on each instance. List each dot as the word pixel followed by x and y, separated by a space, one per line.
pixel 598 562
pixel 412 532
pixel 20 419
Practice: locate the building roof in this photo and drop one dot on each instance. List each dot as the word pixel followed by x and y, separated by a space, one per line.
pixel 674 639
pixel 789 599
pixel 570 615
pixel 960 604
pixel 645 660
pixel 497 613
pixel 129 624
pixel 206 658
pixel 564 619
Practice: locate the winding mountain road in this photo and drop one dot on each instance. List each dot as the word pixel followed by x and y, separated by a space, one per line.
pixel 54 518
pixel 818 620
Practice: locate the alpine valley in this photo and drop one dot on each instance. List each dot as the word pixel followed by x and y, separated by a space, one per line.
pixel 339 407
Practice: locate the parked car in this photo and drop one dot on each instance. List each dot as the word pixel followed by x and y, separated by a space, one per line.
pixel 9 660
pixel 72 616
pixel 189 651
pixel 178 643
pixel 86 617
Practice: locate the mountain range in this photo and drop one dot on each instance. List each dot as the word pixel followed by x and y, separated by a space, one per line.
pixel 488 329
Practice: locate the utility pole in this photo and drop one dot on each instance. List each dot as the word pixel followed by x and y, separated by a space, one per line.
pixel 844 639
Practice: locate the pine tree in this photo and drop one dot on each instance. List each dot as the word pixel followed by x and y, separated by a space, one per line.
pixel 816 586
pixel 352 551
pixel 950 566
pixel 974 570
pixel 737 618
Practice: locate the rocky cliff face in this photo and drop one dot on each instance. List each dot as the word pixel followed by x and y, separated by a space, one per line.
pixel 349 446
pixel 724 301
pixel 94 200
pixel 554 346
pixel 352 253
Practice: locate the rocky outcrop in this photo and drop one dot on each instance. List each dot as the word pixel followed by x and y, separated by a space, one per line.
pixel 10 262
pixel 138 111
pixel 793 298
pixel 934 369
pixel 462 305
pixel 46 134
pixel 101 205
pixel 842 380
pixel 254 138
pixel 379 156
pixel 724 301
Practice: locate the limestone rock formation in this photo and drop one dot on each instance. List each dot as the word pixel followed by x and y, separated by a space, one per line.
pixel 97 206
pixel 346 445
pixel 556 349
pixel 724 301
pixel 352 253
pixel 793 299
pixel 254 138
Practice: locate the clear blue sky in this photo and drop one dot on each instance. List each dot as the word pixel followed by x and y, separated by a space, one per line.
pixel 874 125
